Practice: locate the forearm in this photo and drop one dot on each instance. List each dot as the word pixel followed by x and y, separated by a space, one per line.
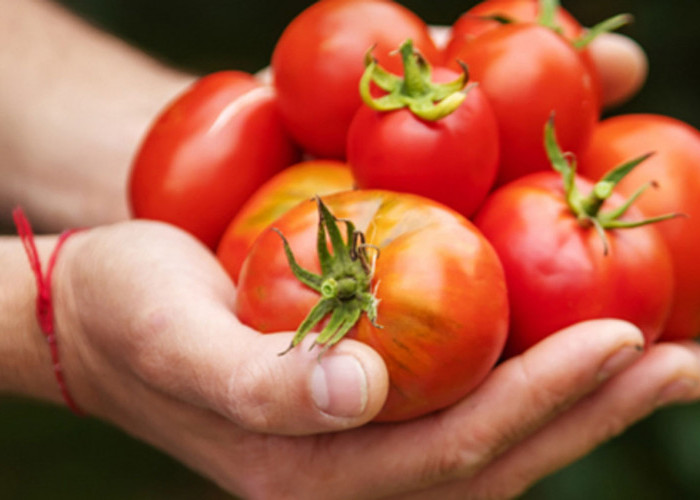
pixel 75 103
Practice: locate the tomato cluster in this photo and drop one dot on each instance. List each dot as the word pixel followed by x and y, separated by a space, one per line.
pixel 456 203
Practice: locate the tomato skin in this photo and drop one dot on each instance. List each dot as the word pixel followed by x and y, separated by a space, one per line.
pixel 452 160
pixel 556 270
pixel 207 152
pixel 286 189
pixel 473 23
pixel 319 59
pixel 529 72
pixel 675 169
pixel 443 305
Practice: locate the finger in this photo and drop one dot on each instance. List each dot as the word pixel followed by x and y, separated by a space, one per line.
pixel 440 35
pixel 668 373
pixel 622 65
pixel 519 397
pixel 212 360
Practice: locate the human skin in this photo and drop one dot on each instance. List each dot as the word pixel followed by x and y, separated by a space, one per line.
pixel 148 342
pixel 75 103
pixel 159 354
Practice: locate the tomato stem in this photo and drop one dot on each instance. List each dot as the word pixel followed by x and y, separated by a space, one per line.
pixel 415 91
pixel 587 209
pixel 605 26
pixel 344 283
pixel 547 14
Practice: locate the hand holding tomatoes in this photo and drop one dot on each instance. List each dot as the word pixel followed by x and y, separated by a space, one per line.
pixel 214 394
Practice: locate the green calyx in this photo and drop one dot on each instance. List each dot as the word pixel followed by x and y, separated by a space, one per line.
pixel 344 283
pixel 606 26
pixel 415 91
pixel 587 209
pixel 547 18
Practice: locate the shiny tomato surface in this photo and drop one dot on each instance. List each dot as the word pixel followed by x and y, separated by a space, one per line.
pixel 529 72
pixel 207 152
pixel 557 270
pixel 453 160
pixel 319 59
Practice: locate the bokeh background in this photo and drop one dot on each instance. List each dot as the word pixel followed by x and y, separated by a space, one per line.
pixel 46 453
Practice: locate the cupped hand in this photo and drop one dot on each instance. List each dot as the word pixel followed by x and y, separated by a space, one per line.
pixel 150 343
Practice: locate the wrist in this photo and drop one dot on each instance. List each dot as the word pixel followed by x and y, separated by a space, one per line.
pixel 32 345
pixel 25 363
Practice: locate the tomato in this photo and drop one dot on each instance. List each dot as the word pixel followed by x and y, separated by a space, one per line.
pixel 207 152
pixel 401 141
pixel 557 268
pixel 478 20
pixel 674 169
pixel 528 72
pixel 279 194
pixel 436 288
pixel 318 61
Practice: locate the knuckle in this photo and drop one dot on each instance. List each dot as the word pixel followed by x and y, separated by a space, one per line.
pixel 460 457
pixel 540 396
pixel 249 401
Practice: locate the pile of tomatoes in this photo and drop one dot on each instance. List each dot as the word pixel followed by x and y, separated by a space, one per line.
pixel 449 206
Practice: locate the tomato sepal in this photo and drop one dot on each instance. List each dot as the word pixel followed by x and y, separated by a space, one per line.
pixel 415 91
pixel 345 282
pixel 587 209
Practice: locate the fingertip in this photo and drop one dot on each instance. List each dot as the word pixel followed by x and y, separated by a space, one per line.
pixel 350 382
pixel 623 331
pixel 305 391
pixel 622 64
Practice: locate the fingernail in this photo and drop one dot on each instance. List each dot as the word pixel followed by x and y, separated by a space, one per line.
pixel 677 391
pixel 617 362
pixel 339 386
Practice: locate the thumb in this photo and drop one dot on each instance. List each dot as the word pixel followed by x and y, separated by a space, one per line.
pixel 212 360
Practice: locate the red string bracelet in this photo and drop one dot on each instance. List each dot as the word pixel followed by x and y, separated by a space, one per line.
pixel 44 305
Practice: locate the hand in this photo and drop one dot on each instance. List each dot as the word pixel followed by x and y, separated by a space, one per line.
pixel 149 342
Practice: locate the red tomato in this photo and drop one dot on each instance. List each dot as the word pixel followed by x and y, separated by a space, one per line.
pixel 476 20
pixel 675 170
pixel 557 270
pixel 318 61
pixel 528 71
pixel 452 159
pixel 441 297
pixel 207 152
pixel 285 190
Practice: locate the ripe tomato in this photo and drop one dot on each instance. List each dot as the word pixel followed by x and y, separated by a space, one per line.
pixel 480 19
pixel 279 194
pixel 557 268
pixel 528 71
pixel 441 300
pixel 207 152
pixel 318 61
pixel 675 171
pixel 393 145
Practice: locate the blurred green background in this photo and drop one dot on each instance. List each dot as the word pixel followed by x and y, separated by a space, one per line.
pixel 46 453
